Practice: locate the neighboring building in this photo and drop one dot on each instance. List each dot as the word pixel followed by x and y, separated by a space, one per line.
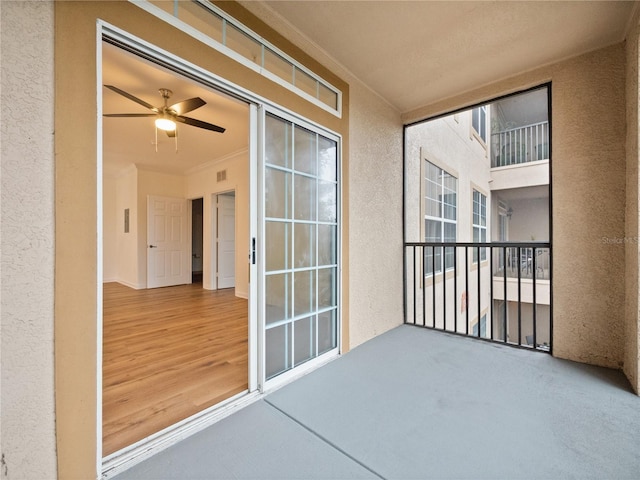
pixel 483 177
pixel 52 245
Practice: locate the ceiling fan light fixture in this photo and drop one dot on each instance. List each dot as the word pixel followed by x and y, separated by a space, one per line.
pixel 165 123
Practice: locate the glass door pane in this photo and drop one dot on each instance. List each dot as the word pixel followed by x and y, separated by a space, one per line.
pixel 300 243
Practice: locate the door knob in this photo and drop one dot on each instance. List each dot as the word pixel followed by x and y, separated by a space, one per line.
pixel 153 246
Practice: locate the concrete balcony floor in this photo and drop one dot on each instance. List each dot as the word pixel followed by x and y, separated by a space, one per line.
pixel 414 403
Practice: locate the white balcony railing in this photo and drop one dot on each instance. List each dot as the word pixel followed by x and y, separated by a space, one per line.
pixel 520 145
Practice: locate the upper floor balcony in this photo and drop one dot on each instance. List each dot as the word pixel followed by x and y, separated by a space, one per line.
pixel 515 146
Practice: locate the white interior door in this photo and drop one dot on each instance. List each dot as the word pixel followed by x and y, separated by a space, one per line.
pixel 226 241
pixel 168 242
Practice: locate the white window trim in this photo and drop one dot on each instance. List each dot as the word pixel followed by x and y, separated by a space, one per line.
pixel 483 251
pixel 475 133
pixel 442 220
pixel 195 33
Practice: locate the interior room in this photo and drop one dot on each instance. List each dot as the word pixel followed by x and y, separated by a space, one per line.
pixel 175 217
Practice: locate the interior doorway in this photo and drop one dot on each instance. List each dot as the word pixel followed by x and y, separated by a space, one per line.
pixel 197 223
pixel 226 239
pixel 171 353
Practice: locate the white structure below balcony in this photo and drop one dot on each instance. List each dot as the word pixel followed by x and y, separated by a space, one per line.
pixel 520 175
pixel 543 290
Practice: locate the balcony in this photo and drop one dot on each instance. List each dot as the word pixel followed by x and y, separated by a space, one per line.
pixel 415 403
pixel 520 145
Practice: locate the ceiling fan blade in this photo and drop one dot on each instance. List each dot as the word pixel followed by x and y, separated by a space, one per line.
pixel 199 123
pixel 187 105
pixel 132 98
pixel 129 115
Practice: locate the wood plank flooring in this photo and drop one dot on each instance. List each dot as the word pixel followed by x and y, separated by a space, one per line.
pixel 168 353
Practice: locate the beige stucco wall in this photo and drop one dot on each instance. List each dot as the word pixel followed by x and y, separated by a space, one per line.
pixel 588 182
pixel 77 327
pixel 27 422
pixel 632 233
pixel 375 213
pixel 372 200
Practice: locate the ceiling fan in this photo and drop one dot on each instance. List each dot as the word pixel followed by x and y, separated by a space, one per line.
pixel 167 116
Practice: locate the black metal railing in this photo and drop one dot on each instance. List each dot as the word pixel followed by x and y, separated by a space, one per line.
pixel 505 298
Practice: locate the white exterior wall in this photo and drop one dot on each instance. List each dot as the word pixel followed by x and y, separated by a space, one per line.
pixel 27 416
pixel 451 144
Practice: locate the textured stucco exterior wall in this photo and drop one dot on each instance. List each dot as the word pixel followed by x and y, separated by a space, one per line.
pixel 27 423
pixel 588 197
pixel 375 217
pixel 372 199
pixel 632 247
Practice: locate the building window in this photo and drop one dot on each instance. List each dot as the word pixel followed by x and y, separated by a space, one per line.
pixel 441 192
pixel 479 224
pixel 479 122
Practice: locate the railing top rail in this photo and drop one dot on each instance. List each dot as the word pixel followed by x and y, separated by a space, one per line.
pixel 480 244
pixel 520 128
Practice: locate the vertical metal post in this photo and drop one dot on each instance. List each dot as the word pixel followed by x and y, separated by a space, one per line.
pixel 455 289
pixel 433 283
pixel 424 285
pixel 491 301
pixel 444 287
pixel 466 285
pixel 479 302
pixel 519 295
pixel 504 284
pixel 534 306
pixel 413 261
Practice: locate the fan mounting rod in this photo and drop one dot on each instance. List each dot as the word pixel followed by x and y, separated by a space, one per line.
pixel 166 93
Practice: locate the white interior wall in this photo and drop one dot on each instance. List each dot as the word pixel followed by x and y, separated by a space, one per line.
pixel 203 183
pixel 125 255
pixel 27 412
pixel 109 225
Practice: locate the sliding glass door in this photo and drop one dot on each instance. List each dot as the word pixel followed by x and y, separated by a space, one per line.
pixel 300 225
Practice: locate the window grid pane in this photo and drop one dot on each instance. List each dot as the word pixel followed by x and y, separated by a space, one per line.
pixel 479 220
pixel 303 292
pixel 441 199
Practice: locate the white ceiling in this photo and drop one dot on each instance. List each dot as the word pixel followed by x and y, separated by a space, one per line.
pixel 132 140
pixel 413 53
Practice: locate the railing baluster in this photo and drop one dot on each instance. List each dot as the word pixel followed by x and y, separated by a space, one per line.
pixel 415 274
pixel 424 286
pixel 479 295
pixel 504 284
pixel 491 301
pixel 444 288
pixel 433 284
pixel 455 289
pixel 466 285
pixel 534 306
pixel 519 296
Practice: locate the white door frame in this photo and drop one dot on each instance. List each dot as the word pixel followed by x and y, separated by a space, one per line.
pixel 129 456
pixel 212 245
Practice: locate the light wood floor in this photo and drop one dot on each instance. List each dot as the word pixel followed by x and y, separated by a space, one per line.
pixel 168 353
